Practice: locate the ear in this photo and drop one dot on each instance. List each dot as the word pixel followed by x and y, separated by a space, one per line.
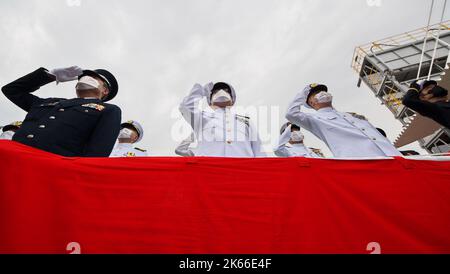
pixel 311 102
pixel 135 137
pixel 105 91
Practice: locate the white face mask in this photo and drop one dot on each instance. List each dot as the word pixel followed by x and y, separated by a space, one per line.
pixel 87 82
pixel 221 96
pixel 125 133
pixel 7 135
pixel 297 136
pixel 323 97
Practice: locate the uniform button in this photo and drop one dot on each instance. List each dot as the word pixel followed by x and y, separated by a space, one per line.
pixel 31 136
pixel 42 126
pixel 52 117
pixel 363 129
pixel 374 139
pixel 61 109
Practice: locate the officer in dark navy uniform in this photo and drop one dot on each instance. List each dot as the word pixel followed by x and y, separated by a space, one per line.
pixel 81 127
pixel 430 100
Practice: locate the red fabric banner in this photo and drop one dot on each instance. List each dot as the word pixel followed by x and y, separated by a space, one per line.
pixel 52 204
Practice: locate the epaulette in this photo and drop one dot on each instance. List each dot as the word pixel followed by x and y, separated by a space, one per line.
pixel 243 117
pixel 358 116
pixel 317 151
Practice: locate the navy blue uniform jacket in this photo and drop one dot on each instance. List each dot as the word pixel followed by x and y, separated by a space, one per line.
pixel 439 112
pixel 69 127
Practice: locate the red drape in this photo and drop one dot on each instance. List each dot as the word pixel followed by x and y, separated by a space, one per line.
pixel 221 205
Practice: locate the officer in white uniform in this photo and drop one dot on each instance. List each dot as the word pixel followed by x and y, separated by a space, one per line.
pixel 8 131
pixel 345 135
pixel 131 132
pixel 184 148
pixel 291 143
pixel 222 132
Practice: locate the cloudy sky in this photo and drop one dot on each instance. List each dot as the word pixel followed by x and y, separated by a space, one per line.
pixel 267 49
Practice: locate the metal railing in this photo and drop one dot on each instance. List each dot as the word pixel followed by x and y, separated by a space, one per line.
pixel 379 46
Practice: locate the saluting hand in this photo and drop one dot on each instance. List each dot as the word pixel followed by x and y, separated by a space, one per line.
pixel 66 74
pixel 207 89
pixel 304 94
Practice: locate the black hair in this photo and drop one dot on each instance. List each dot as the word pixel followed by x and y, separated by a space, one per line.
pixel 295 127
pixel 131 127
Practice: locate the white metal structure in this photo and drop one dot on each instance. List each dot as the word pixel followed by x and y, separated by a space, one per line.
pixel 389 65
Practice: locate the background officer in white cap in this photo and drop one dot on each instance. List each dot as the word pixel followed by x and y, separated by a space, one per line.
pixel 131 132
pixel 291 143
pixel 8 131
pixel 85 126
pixel 221 133
pixel 344 134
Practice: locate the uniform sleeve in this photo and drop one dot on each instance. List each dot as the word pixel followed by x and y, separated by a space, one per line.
pixel 183 148
pixel 114 153
pixel 434 111
pixel 105 134
pixel 19 91
pixel 189 107
pixel 281 150
pixel 255 142
pixel 295 115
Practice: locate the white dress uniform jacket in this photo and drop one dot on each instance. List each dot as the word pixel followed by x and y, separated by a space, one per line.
pixel 127 150
pixel 285 149
pixel 221 133
pixel 345 135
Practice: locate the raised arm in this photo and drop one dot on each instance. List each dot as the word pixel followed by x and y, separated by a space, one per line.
pixel 280 150
pixel 294 113
pixel 19 91
pixel 189 107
